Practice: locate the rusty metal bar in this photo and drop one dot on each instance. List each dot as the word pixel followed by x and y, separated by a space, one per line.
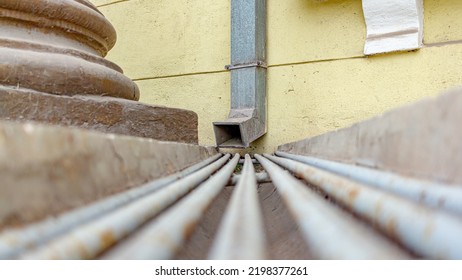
pixel 330 232
pixel 13 242
pixel 241 234
pixel 427 232
pixel 91 239
pixel 434 195
pixel 262 177
pixel 162 237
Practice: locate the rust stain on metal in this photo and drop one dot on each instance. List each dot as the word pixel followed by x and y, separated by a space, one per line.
pixel 390 228
pixel 83 252
pixel 304 171
pixel 30 247
pixel 189 229
pixel 107 239
pixel 352 195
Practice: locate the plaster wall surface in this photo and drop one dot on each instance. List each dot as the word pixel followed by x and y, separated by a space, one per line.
pixel 318 78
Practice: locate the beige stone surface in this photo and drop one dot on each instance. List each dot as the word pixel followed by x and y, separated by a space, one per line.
pixel 45 170
pixel 421 140
pixel 104 114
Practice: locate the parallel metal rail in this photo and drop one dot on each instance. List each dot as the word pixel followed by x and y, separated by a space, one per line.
pixel 370 214
pixel 241 235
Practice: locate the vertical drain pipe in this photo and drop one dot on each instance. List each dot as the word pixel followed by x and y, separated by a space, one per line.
pixel 247 119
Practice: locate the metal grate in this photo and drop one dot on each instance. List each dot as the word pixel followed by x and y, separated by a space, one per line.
pixel 369 215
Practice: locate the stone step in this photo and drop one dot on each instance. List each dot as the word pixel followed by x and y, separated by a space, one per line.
pixel 46 170
pixel 104 114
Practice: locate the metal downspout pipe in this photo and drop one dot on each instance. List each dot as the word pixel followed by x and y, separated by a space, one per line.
pixel 247 119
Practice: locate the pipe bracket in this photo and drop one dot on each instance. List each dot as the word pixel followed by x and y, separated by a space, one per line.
pixel 257 63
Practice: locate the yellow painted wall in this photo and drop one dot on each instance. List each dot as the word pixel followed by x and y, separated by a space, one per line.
pixel 318 78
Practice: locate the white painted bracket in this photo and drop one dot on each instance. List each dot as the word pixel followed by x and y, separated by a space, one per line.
pixel 393 25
